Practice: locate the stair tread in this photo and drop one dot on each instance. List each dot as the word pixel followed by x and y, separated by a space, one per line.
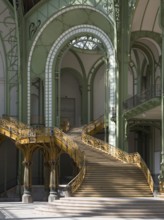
pixel 108 176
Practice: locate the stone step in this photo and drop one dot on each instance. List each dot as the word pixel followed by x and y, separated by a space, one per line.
pixel 108 194
pixel 111 208
pixel 108 177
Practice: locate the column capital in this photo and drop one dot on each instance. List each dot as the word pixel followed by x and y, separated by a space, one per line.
pixel 52 162
pixel 27 163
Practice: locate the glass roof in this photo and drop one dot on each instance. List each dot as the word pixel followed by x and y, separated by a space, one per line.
pixel 86 43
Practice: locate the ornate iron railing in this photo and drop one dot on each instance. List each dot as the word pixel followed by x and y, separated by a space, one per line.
pixel 69 146
pixel 76 182
pixel 114 151
pixel 153 92
pixel 23 134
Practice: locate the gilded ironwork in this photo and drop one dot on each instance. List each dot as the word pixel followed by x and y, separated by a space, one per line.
pixel 125 157
pixel 76 182
pixel 29 139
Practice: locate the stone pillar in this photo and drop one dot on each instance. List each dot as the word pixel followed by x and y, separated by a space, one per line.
pixel 27 198
pixel 53 186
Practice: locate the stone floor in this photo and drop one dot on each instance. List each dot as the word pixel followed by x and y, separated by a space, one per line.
pixel 19 210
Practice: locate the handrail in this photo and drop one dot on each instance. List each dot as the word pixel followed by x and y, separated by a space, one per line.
pixel 76 154
pixel 153 92
pixel 76 182
pixel 116 152
pixel 25 134
pixel 69 146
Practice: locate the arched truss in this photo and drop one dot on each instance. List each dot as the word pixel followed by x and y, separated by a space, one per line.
pixel 41 30
pixel 56 48
pixel 94 68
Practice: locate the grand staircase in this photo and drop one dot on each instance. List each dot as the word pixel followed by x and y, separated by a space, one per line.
pixel 109 177
pixel 111 189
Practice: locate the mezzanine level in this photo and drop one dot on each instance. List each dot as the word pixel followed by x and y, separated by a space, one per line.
pixel 147 101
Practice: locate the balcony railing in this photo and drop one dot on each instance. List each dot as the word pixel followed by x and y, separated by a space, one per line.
pixel 153 92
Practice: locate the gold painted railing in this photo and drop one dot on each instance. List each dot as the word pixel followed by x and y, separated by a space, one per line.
pixel 76 182
pixel 114 151
pixel 24 134
pixel 69 146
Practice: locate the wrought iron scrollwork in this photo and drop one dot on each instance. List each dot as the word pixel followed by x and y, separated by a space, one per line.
pixel 33 27
pixel 114 151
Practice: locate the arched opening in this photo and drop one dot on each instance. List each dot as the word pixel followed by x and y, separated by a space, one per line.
pixel 81 75
pixel 37 102
pixel 99 93
pixel 144 86
pixel 53 61
pixel 67 169
pixel 10 181
pixel 71 98
pixel 38 189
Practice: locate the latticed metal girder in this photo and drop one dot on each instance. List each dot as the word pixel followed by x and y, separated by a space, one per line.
pixel 142 108
pixel 42 14
pixel 137 124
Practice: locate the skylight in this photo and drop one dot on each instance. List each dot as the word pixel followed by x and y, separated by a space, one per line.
pixel 86 43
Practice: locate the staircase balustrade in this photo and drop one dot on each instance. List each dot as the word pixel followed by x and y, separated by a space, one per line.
pixel 23 134
pixel 78 156
pixel 76 182
pixel 114 151
pixel 42 135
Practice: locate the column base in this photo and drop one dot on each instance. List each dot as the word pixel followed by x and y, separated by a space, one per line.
pixel 65 191
pixel 52 197
pixel 27 198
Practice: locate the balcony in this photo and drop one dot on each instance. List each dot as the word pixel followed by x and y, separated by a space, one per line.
pixel 154 92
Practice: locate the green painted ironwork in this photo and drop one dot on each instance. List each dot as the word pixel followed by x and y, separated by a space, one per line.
pixel 147 105
pixel 161 176
pixel 136 35
pixel 10 44
pixel 134 124
pixel 43 11
pixel 123 56
pixel 91 76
